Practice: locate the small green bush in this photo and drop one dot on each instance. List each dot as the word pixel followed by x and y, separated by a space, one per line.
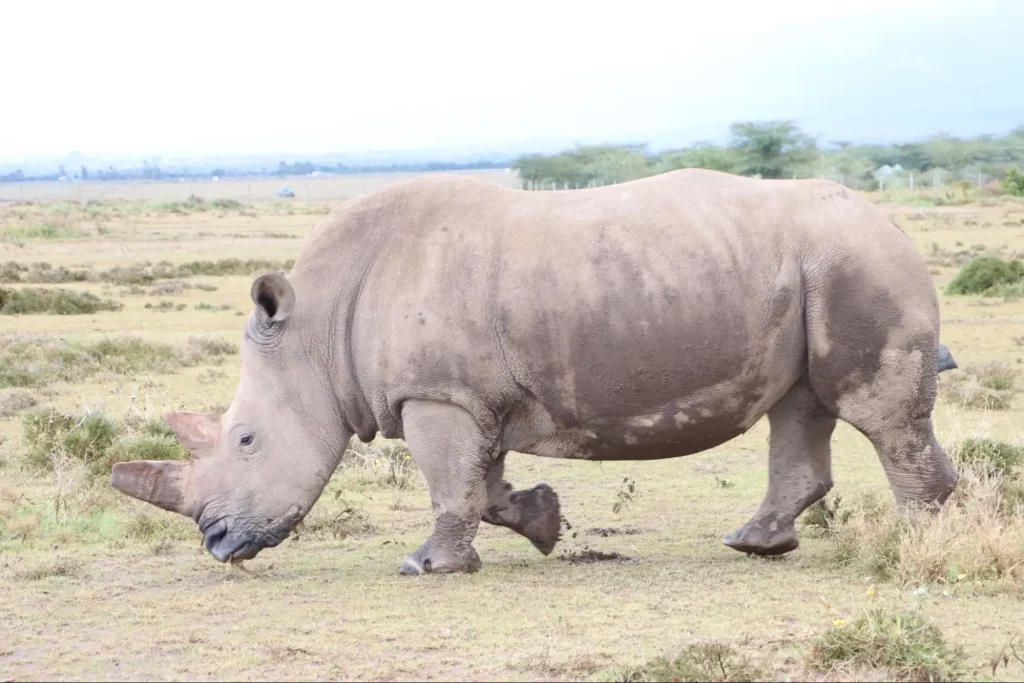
pixel 1013 182
pixel 53 302
pixel 96 440
pixel 984 275
pixel 993 458
pixel 905 644
pixel 85 438
pixel 35 361
pixel 702 662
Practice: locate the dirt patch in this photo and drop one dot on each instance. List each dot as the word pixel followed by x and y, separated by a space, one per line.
pixel 591 556
pixel 605 532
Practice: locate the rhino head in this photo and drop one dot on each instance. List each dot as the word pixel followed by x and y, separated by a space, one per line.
pixel 256 470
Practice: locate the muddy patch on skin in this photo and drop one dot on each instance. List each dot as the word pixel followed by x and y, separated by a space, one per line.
pixel 591 556
pixel 605 532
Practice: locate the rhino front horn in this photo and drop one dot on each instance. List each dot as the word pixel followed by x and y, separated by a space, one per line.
pixel 159 482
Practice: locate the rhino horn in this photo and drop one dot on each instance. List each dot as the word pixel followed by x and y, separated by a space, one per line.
pixel 159 482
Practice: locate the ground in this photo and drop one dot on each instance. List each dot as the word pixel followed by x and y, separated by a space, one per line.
pixel 99 586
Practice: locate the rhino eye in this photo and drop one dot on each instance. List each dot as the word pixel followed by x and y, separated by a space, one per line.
pixel 245 440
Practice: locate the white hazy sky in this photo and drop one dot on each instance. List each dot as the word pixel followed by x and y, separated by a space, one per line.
pixel 185 78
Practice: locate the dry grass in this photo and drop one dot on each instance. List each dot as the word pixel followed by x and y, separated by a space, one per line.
pixel 148 600
pixel 991 385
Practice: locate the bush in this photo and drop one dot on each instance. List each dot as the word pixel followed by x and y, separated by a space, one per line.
pixel 703 662
pixel 905 644
pixel 990 386
pixel 40 360
pixel 1013 182
pixel 991 458
pixel 976 536
pixel 53 301
pixel 984 275
pixel 85 438
pixel 95 440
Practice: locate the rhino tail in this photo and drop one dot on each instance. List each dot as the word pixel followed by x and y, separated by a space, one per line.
pixel 946 361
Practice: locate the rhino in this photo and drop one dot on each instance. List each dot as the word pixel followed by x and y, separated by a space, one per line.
pixel 652 319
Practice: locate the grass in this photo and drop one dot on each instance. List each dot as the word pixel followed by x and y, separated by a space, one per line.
pixel 991 385
pixel 986 276
pixel 95 440
pixel 46 231
pixel 906 646
pixel 33 361
pixel 702 662
pixel 53 302
pixel 144 273
pixel 147 599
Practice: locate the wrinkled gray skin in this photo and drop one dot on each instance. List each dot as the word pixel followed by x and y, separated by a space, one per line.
pixel 651 319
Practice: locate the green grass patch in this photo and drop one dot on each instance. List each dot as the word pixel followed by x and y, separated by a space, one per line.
pixel 41 360
pixel 95 440
pixel 702 662
pixel 989 386
pixel 36 301
pixel 45 231
pixel 904 644
pixel 992 458
pixel 986 275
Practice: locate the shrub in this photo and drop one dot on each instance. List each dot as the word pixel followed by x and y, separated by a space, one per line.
pixel 825 514
pixel 34 361
pixel 95 440
pixel 1013 182
pixel 984 275
pixel 85 438
pixel 977 535
pixel 53 301
pixel 989 457
pixel 702 662
pixel 905 644
pixel 382 462
pixel 991 385
pixel 13 402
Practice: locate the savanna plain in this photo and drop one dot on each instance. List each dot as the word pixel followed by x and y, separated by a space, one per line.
pixel 116 309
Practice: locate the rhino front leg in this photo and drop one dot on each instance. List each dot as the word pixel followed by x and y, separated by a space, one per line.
pixel 799 472
pixel 534 513
pixel 454 457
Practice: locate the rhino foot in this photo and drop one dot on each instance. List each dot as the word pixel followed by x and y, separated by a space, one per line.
pixel 540 517
pixel 767 535
pixel 437 560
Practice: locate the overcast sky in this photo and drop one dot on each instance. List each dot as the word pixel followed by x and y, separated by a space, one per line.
pixel 189 78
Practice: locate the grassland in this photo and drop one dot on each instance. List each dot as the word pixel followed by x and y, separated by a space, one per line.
pixel 94 585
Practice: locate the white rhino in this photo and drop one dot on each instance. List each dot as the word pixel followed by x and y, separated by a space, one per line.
pixel 651 319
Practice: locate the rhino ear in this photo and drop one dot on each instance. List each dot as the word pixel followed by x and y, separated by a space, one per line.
pixel 274 295
pixel 195 431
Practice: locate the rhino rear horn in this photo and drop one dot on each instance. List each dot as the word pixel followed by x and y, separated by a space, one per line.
pixel 159 482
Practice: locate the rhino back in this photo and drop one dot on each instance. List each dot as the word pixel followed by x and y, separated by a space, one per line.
pixel 646 319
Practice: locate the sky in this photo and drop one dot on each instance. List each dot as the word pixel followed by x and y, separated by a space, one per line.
pixel 189 78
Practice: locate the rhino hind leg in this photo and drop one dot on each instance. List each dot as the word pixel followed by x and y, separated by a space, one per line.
pixel 800 473
pixel 454 457
pixel 534 513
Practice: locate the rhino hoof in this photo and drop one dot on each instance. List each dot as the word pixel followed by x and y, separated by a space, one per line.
pixel 756 540
pixel 410 567
pixel 439 561
pixel 542 518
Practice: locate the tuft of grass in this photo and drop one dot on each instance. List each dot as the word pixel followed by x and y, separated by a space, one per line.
pixel 825 514
pixel 45 231
pixel 14 402
pixel 989 386
pixel 61 566
pixel 990 457
pixel 95 440
pixel 984 275
pixel 139 273
pixel 36 361
pixel 976 536
pixel 903 644
pixel 382 463
pixel 701 662
pixel 52 301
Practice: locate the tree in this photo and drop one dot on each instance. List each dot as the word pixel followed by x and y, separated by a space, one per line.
pixel 85 173
pixel 701 155
pixel 771 149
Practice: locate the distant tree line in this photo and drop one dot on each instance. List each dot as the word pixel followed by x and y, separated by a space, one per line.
pixel 779 149
pixel 152 172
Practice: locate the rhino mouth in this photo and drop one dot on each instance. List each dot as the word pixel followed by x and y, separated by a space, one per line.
pixel 229 541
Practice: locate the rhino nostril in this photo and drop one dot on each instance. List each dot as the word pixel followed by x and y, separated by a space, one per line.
pixel 215 534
